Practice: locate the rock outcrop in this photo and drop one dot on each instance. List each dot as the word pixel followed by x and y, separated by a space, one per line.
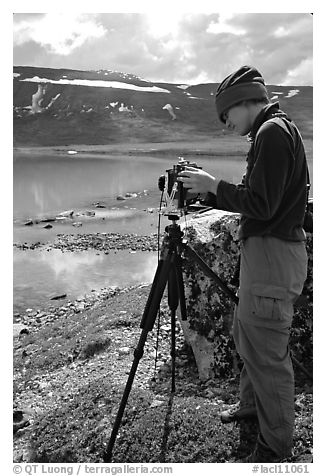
pixel 213 236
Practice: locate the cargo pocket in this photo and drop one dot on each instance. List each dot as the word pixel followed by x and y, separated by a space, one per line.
pixel 270 302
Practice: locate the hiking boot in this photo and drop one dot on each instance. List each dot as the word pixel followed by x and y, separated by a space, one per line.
pixel 237 412
pixel 262 454
pixel 261 457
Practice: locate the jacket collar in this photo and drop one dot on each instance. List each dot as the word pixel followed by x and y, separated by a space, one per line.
pixel 270 110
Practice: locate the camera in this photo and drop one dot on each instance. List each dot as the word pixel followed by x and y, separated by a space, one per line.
pixel 175 189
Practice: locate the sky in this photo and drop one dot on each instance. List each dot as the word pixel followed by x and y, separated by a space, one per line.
pixel 169 46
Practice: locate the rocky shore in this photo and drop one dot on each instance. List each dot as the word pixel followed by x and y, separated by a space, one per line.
pixel 97 241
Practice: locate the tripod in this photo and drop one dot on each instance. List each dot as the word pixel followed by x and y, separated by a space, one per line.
pixel 169 271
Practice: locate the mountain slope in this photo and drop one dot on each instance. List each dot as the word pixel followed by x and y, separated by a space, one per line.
pixel 61 106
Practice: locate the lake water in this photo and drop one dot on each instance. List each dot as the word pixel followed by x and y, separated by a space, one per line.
pixel 47 185
pixel 40 275
pixel 44 186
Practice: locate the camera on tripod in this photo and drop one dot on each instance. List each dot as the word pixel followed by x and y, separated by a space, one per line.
pixel 175 189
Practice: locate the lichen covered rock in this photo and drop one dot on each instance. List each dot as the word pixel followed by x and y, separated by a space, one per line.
pixel 207 330
pixel 209 311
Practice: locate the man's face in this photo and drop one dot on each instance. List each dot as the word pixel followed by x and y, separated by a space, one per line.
pixel 238 119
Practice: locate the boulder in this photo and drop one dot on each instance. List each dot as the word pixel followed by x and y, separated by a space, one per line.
pixel 20 420
pixel 124 350
pixel 99 205
pixel 213 235
pixel 66 214
pixel 58 296
pixel 47 219
pixel 19 329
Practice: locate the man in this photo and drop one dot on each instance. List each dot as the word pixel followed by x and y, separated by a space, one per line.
pixel 271 200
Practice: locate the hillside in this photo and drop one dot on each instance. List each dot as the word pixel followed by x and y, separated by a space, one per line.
pixel 62 107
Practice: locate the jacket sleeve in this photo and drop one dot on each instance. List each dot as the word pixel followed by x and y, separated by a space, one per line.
pixel 273 163
pixel 210 198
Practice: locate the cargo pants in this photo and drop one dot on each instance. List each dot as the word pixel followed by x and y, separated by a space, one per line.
pixel 272 275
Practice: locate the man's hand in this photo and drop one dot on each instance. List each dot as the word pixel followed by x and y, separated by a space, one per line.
pixel 198 181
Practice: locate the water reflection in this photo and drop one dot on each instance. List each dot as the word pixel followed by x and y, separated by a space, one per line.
pixel 48 185
pixel 38 275
pixel 68 265
pixel 44 185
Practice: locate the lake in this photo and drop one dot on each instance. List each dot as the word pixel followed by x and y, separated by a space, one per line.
pixel 44 186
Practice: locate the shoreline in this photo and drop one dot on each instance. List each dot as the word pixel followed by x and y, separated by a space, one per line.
pixel 221 147
pixel 96 241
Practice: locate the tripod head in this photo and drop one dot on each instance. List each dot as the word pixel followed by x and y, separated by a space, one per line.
pixel 173 232
pixel 173 217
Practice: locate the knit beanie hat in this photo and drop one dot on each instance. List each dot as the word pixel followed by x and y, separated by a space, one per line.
pixel 246 83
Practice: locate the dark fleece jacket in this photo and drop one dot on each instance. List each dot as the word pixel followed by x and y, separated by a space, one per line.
pixel 272 196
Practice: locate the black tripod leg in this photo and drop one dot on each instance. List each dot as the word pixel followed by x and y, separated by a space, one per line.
pixel 210 273
pixel 156 292
pixel 173 351
pixel 147 323
pixel 173 300
pixel 176 297
pixel 181 288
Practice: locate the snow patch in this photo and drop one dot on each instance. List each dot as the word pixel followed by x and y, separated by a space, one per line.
pixel 192 97
pixel 98 84
pixel 16 75
pixel 123 75
pixel 292 92
pixel 169 108
pixel 53 100
pixel 37 99
pixel 124 108
pixel 183 86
